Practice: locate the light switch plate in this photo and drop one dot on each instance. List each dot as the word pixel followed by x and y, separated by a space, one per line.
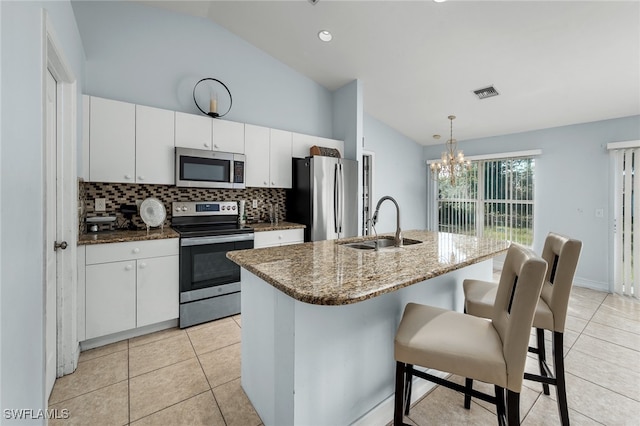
pixel 255 204
pixel 100 204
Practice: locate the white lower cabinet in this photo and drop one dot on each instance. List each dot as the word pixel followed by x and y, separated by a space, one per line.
pixel 130 285
pixel 157 291
pixel 278 238
pixel 110 298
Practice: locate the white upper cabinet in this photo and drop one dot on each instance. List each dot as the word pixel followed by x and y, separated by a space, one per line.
pixel 112 141
pixel 280 159
pixel 331 143
pixel 302 144
pixel 155 158
pixel 228 136
pixel 256 143
pixel 193 131
pixel 268 157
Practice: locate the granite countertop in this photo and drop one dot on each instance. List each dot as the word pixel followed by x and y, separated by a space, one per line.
pixel 122 236
pixel 266 226
pixel 329 273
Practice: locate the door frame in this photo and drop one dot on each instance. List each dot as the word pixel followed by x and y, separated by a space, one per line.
pixel 54 60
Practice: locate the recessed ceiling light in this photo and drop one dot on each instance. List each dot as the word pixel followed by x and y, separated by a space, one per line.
pixel 439 1
pixel 325 35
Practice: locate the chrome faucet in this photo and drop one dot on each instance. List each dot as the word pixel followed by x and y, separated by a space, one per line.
pixel 374 219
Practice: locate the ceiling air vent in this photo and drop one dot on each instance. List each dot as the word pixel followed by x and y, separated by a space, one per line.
pixel 486 92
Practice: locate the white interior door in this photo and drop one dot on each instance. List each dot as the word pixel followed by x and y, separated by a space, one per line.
pixel 50 233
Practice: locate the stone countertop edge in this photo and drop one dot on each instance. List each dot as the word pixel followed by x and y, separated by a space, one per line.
pixel 124 236
pixel 328 273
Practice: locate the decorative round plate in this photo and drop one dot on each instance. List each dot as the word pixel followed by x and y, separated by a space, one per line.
pixel 152 212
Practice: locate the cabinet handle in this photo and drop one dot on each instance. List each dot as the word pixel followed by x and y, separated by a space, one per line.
pixel 128 267
pixel 273 184
pixel 141 177
pixel 206 145
pixel 128 177
pixel 265 182
pixel 136 250
pixel 216 146
pixel 279 237
pixel 143 265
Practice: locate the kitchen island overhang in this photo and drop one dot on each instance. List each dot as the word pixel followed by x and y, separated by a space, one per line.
pixel 318 321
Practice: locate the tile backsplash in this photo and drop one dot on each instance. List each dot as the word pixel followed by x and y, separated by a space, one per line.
pixel 117 194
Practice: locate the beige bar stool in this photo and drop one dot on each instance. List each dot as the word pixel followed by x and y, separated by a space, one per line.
pixel 491 351
pixel 561 254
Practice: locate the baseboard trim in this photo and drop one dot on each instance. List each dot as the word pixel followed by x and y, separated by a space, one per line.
pixel 116 337
pixel 593 285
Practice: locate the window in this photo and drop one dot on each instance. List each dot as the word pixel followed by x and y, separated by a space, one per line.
pixel 494 199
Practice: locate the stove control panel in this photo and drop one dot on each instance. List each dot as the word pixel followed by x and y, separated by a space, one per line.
pixel 204 208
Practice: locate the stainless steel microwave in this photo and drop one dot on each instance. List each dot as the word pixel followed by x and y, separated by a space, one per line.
pixel 209 169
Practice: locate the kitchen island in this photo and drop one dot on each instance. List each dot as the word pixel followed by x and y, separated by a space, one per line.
pixel 318 321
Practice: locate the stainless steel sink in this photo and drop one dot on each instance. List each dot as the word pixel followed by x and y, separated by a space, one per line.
pixel 382 243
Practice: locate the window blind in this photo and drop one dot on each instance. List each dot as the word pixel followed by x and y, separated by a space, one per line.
pixel 627 226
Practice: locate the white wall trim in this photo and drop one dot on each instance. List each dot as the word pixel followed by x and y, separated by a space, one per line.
pixel 497 156
pixel 594 285
pixel 67 222
pixel 623 145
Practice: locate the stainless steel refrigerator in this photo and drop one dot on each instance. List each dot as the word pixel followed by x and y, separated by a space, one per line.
pixel 324 197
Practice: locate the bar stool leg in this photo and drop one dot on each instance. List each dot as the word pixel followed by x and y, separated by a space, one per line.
pixel 513 408
pixel 408 380
pixel 468 383
pixel 561 388
pixel 542 357
pixel 500 409
pixel 399 396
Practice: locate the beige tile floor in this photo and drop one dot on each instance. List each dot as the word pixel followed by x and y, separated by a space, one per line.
pixel 192 377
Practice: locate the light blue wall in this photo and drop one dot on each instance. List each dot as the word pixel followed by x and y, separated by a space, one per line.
pixel 572 181
pixel 150 56
pixel 22 194
pixel 400 172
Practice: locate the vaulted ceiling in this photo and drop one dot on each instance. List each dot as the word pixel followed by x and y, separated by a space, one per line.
pixel 554 63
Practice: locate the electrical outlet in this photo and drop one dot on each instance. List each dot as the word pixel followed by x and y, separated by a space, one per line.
pixel 255 204
pixel 100 204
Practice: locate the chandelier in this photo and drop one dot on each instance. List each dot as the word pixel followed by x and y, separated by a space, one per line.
pixel 452 162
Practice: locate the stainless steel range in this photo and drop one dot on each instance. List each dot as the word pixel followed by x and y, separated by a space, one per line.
pixel 209 282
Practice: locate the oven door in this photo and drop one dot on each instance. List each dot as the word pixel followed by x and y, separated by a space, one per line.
pixel 204 263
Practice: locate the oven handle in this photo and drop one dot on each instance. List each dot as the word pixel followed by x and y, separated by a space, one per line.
pixel 200 241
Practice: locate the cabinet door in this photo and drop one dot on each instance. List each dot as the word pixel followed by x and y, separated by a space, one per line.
pixel 155 158
pixel 300 144
pixel 110 292
pixel 280 159
pixel 193 131
pixel 228 136
pixel 256 142
pixel 157 290
pixel 112 141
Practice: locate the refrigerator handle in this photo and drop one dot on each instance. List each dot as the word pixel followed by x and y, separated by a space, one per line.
pixel 336 184
pixel 341 198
